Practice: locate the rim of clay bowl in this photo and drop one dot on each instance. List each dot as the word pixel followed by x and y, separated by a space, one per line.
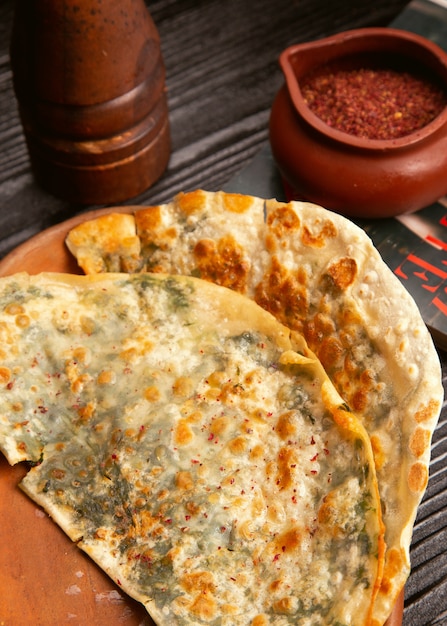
pixel 374 40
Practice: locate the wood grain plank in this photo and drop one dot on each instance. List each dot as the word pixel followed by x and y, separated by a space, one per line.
pixel 222 75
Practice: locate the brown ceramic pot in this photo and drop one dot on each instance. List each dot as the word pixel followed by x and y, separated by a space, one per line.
pixel 352 175
pixel 90 83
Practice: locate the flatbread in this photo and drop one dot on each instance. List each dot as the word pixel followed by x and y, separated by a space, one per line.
pixel 319 274
pixel 192 446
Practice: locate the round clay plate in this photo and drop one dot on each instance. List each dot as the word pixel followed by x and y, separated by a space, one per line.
pixel 49 581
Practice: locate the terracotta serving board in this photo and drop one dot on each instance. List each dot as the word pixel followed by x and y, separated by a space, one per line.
pixel 45 580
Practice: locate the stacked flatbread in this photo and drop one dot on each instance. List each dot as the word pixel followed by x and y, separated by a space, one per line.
pixel 347 338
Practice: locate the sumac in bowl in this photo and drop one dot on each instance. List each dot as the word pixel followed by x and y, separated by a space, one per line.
pixel 360 125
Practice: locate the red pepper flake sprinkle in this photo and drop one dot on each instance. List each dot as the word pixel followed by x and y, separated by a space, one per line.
pixel 372 102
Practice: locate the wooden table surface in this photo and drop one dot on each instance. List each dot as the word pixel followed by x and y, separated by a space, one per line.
pixel 222 75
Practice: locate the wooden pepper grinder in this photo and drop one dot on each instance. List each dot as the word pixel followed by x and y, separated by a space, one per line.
pixel 90 82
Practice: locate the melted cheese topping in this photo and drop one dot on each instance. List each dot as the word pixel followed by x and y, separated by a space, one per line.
pixel 187 446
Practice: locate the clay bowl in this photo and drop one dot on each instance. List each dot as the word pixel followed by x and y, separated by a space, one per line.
pixel 353 175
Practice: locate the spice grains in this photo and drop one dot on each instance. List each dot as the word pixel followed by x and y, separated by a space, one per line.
pixel 372 102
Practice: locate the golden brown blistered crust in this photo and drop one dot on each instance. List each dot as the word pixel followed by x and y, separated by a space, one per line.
pixel 281 223
pixel 284 294
pixel 225 472
pixel 151 233
pixel 318 238
pixel 114 237
pixel 337 321
pixel 343 273
pixel 222 262
pixel 191 202
pixel 320 275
